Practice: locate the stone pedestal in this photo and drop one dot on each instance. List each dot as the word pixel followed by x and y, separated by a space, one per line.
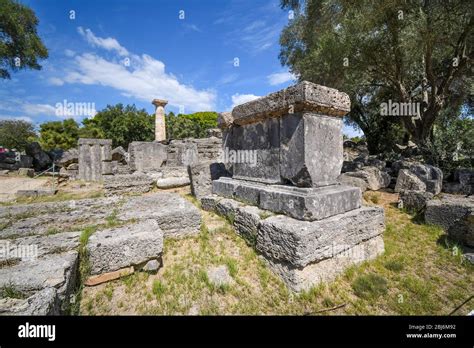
pixel 288 154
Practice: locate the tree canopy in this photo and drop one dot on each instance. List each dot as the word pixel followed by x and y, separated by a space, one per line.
pixel 59 134
pixel 20 45
pixel 122 124
pixel 16 134
pixel 408 51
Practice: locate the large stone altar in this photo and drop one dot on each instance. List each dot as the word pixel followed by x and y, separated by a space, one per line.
pixel 296 135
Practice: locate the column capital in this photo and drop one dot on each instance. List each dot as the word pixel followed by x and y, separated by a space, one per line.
pixel 159 102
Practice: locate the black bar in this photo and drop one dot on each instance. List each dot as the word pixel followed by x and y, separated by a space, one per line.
pixel 347 330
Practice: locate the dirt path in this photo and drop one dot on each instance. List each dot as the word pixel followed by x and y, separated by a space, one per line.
pixel 10 185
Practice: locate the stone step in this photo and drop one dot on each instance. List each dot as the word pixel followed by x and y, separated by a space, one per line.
pixel 300 203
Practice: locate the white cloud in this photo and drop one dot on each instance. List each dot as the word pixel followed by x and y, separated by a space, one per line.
pixel 145 78
pixel 238 99
pixel 55 81
pixel 279 78
pixel 69 53
pixel 110 44
pixel 39 109
pixel 193 27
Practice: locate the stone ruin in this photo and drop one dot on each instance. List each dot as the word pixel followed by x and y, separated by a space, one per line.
pixel 289 205
pixel 145 163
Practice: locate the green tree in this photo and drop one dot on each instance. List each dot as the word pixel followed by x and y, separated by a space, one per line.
pixel 59 134
pixel 16 134
pixel 20 46
pixel 191 125
pixel 122 124
pixel 406 50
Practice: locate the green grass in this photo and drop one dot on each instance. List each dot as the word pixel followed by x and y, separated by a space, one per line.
pixel 9 291
pixel 419 273
pixel 369 286
pixel 58 197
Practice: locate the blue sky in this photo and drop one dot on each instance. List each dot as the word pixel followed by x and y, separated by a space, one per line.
pixel 199 55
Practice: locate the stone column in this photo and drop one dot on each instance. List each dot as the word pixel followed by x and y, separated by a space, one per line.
pixel 160 125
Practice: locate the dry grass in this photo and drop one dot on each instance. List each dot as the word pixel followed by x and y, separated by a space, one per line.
pixel 417 274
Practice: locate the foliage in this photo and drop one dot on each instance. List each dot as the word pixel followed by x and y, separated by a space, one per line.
pixel 18 38
pixel 122 124
pixel 405 51
pixel 16 134
pixel 453 143
pixel 59 134
pixel 190 125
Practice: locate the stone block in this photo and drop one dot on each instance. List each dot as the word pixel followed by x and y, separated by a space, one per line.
pixel 304 96
pixel 432 176
pixel 227 208
pixel 246 221
pixel 176 216
pixel 120 247
pixel 311 150
pixel 455 215
pixel 375 178
pixel 300 203
pixel 406 180
pixel 302 242
pixel 147 156
pixel 353 181
pixel 303 279
pixel 127 183
pixel 255 151
pixel 201 176
pixel 209 202
pixel 415 200
pixel 92 154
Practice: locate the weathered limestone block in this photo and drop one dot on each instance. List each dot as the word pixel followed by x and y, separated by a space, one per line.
pixel 375 178
pixel 406 180
pixel 146 156
pixel 300 203
pixel 209 202
pixel 172 176
pixel 43 302
pixel 224 120
pixel 201 176
pixel 247 219
pixel 227 208
pixel 53 270
pixel 353 181
pixel 182 153
pixel 119 247
pixel 301 242
pixel 415 200
pixel 176 216
pixel 310 149
pixel 127 183
pixel 120 155
pixel 255 151
pixel 455 215
pixel 304 96
pixel 68 157
pixel 432 177
pixel 92 154
pixel 303 278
